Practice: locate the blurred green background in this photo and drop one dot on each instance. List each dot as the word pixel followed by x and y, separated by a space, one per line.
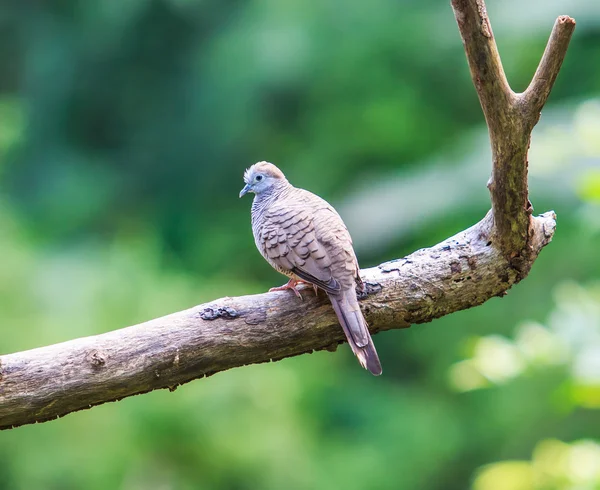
pixel 125 127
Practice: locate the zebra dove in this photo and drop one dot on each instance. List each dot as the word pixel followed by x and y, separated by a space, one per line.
pixel 304 238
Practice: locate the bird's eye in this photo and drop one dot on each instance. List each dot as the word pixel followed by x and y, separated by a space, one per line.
pixel 259 178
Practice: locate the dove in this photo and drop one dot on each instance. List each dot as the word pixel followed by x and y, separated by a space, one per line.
pixel 303 237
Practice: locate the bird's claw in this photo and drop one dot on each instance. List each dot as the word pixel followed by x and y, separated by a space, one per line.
pixel 291 284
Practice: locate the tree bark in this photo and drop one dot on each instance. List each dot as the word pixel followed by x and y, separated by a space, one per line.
pixel 510 118
pixel 463 271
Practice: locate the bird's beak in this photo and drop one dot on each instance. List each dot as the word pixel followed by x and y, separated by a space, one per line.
pixel 245 190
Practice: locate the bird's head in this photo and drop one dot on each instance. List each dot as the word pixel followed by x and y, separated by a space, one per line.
pixel 262 177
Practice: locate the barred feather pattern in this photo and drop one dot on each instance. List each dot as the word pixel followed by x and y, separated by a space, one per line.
pixel 304 238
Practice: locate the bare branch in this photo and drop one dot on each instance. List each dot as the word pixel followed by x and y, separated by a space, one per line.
pixel 510 119
pixel 46 383
pixel 486 68
pixel 539 89
pixel 461 272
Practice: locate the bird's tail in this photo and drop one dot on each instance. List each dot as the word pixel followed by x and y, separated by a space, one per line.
pixel 356 329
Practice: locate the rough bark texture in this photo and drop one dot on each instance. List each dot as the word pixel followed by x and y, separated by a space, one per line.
pixel 42 384
pixel 510 118
pixel 461 272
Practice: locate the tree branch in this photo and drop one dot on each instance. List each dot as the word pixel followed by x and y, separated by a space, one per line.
pixel 486 68
pixel 45 383
pixel 537 93
pixel 461 272
pixel 510 119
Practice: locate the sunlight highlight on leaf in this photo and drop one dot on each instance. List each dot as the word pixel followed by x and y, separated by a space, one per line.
pixel 507 475
pixel 555 465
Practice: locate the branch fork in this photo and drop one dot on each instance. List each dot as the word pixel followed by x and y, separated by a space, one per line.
pixel 510 118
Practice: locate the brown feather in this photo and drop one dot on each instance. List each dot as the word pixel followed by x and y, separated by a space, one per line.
pixel 303 237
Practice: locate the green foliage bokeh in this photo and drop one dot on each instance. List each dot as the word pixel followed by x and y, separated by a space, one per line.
pixel 125 128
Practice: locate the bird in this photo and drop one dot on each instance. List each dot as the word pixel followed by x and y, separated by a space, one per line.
pixel 303 237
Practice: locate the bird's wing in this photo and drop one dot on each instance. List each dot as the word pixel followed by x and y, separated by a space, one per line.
pixel 311 241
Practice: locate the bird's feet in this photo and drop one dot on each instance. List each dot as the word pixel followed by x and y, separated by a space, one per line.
pixel 291 284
